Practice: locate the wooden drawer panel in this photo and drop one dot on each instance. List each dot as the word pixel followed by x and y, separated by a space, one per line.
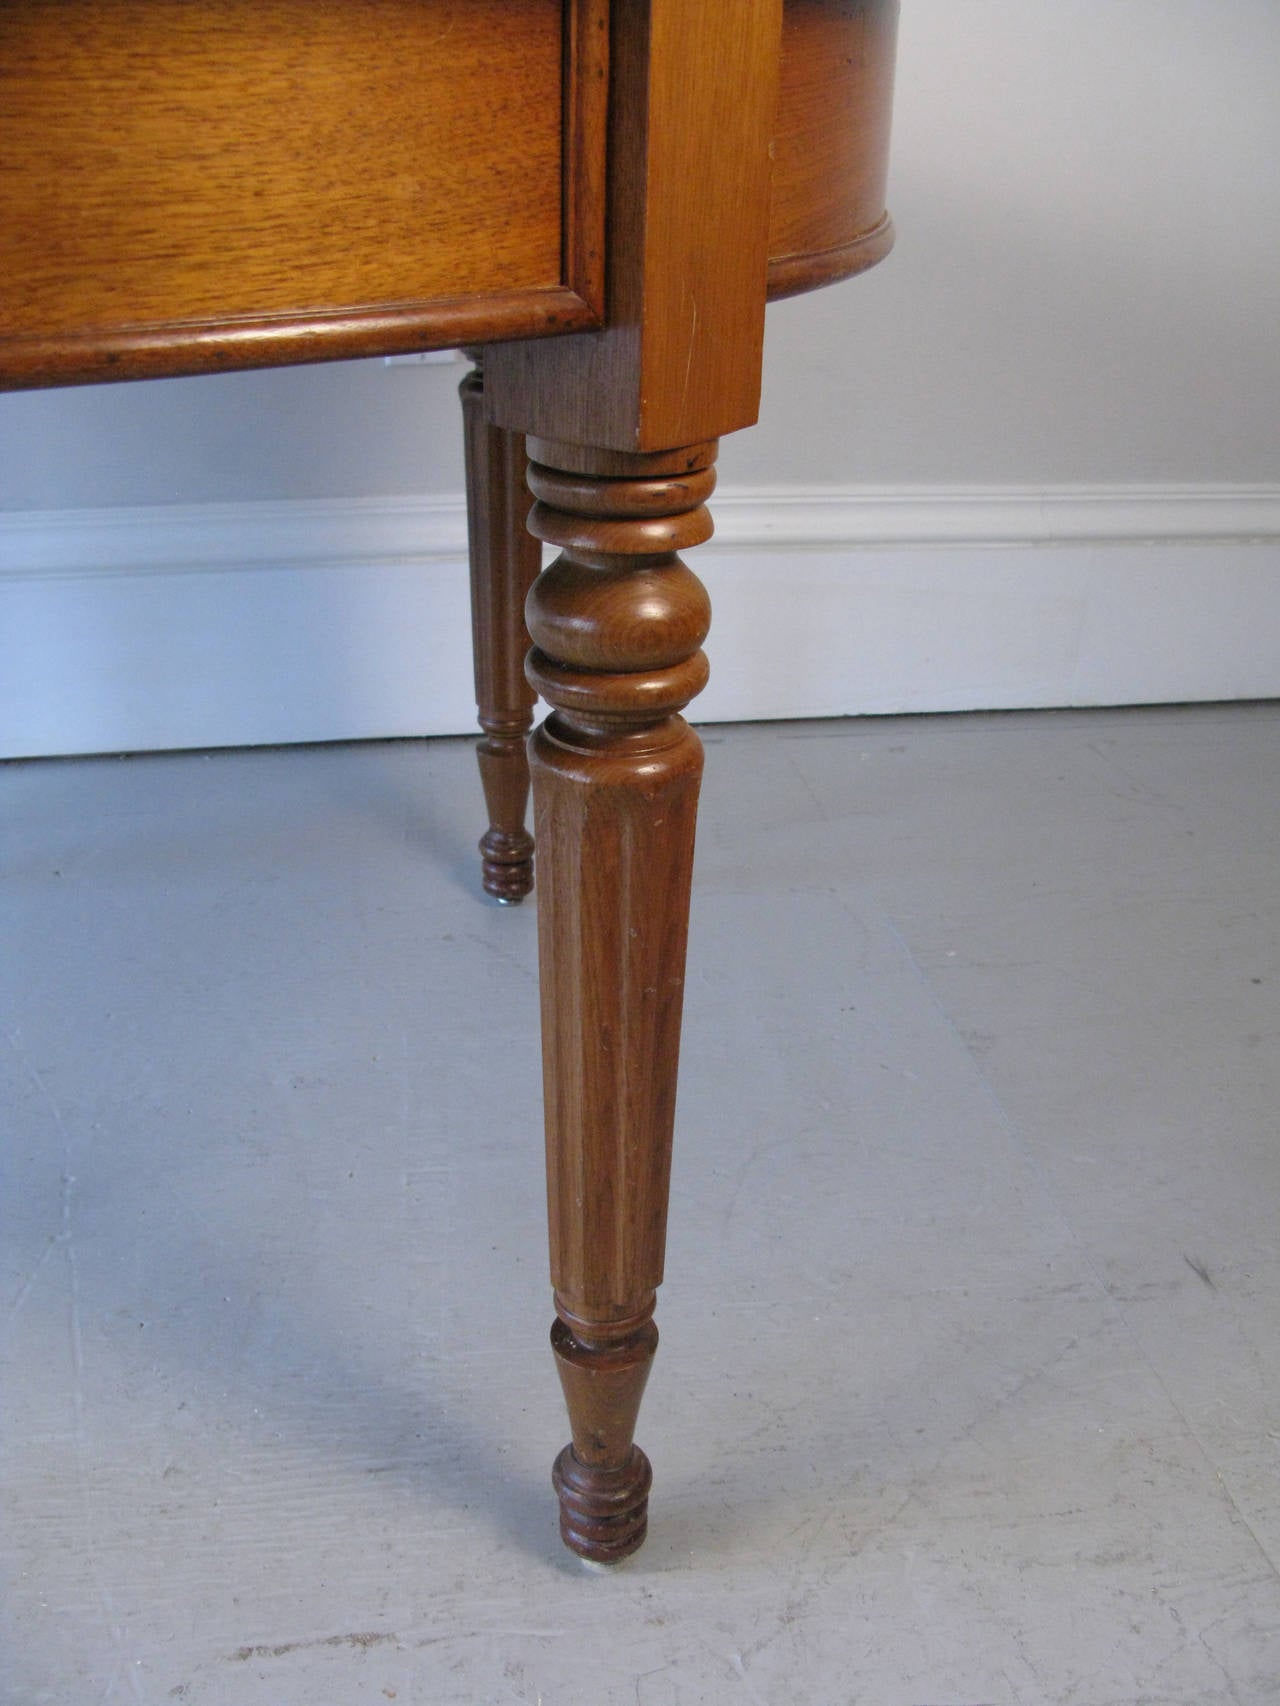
pixel 171 161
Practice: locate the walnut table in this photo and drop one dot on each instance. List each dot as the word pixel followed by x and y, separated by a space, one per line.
pixel 601 195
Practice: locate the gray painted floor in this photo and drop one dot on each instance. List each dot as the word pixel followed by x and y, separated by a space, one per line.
pixel 969 1388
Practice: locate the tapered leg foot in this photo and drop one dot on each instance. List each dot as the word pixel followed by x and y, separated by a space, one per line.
pixel 506 847
pixel 504 563
pixel 603 1478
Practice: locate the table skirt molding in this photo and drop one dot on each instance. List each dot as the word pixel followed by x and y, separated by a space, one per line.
pixel 301 620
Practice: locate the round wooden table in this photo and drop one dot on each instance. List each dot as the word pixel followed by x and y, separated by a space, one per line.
pixel 601 194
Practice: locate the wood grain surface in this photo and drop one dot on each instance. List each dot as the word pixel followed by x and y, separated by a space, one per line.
pixel 692 108
pixel 190 188
pixel 251 160
pixel 831 142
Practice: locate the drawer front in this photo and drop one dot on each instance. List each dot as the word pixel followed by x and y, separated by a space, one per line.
pixel 166 164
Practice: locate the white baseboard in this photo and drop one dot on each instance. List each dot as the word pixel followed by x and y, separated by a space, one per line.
pixel 250 624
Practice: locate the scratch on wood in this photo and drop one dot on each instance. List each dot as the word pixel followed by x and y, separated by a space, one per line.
pixel 688 366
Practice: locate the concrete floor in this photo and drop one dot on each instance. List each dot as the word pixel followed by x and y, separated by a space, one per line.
pixel 969 1387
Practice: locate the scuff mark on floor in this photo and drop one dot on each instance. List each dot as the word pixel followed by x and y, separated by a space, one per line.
pixel 360 1639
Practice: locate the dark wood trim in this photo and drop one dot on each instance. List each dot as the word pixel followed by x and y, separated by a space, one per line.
pixel 790 275
pixel 167 351
pixel 586 121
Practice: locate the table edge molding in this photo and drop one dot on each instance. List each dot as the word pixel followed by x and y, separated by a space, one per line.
pixel 186 348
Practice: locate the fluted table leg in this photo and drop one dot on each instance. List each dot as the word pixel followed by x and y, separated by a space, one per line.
pixel 617 623
pixel 504 562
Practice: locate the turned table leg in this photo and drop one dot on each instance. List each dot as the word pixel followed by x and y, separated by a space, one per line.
pixel 617 623
pixel 504 562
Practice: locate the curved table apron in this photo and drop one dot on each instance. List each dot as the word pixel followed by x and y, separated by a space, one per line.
pixel 603 194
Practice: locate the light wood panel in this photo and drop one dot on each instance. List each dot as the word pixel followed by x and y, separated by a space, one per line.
pixel 285 171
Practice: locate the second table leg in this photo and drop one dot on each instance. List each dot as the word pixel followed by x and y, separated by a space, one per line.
pixel 505 558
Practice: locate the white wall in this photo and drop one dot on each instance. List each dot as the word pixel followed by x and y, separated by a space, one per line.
pixel 1086 293
pixel 1086 286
